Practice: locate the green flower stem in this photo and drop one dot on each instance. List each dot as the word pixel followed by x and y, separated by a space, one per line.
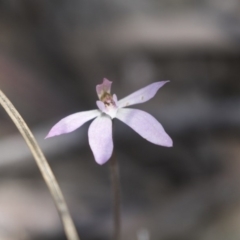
pixel 114 172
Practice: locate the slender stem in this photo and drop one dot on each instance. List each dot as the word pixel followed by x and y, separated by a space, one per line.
pixel 114 172
pixel 44 167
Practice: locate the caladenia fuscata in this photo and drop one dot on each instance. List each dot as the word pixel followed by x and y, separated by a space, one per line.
pixel 100 131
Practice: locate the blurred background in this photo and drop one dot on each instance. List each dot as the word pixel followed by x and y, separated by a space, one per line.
pixel 52 55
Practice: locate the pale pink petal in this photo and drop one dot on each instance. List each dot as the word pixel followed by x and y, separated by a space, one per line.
pixel 145 125
pixel 142 95
pixel 105 87
pixel 101 105
pixel 115 98
pixel 72 122
pixel 100 138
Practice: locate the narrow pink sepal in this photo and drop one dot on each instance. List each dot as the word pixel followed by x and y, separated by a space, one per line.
pixel 100 138
pixel 104 87
pixel 142 95
pixel 145 125
pixel 72 122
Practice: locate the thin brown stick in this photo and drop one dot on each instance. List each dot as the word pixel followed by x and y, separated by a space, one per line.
pixel 44 167
pixel 114 172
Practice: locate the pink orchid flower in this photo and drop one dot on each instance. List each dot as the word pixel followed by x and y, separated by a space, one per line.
pixel 100 130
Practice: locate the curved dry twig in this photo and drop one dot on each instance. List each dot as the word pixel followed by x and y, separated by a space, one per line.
pixel 44 167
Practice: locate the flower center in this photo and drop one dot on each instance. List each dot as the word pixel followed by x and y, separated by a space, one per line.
pixel 108 101
pixel 108 104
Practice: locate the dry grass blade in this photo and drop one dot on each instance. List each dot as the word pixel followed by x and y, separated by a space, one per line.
pixel 44 167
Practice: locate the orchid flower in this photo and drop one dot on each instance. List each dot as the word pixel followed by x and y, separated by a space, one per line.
pixel 100 130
